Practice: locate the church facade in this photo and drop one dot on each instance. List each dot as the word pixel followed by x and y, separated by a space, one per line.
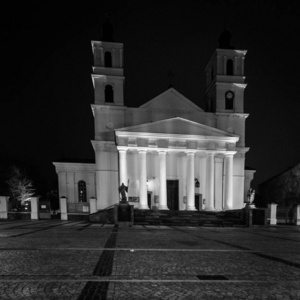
pixel 170 153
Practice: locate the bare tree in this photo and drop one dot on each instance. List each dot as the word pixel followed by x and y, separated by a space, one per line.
pixel 20 186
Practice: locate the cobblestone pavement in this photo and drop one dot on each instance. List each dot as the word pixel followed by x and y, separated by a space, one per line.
pixel 78 260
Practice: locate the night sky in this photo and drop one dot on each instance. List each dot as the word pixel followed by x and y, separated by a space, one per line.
pixel 47 62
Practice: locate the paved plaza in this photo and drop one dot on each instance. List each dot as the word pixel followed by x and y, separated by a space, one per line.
pixel 79 260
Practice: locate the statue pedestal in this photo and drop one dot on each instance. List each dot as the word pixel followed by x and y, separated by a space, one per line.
pixel 123 214
pixel 248 215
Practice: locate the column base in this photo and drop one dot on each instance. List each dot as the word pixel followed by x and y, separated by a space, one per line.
pixel 228 208
pixel 209 209
pixel 144 207
pixel 273 221
pixel 163 207
pixel 191 208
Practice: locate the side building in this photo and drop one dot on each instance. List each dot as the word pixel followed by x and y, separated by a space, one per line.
pixel 171 153
pixel 283 188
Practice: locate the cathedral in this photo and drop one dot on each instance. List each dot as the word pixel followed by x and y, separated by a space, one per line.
pixel 170 153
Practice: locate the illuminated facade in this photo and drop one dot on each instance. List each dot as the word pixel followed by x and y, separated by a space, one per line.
pixel 171 153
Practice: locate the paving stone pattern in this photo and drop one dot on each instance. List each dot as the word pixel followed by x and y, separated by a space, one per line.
pixel 55 259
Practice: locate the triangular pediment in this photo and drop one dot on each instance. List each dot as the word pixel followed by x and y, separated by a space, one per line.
pixel 179 126
pixel 173 100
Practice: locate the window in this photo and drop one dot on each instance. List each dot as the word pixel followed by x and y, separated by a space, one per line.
pixel 229 67
pixel 109 93
pixel 107 59
pixel 81 191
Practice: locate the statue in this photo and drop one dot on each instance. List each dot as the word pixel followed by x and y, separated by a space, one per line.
pixel 123 190
pixel 251 196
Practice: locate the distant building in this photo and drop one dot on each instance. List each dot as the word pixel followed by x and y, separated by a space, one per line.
pixel 171 153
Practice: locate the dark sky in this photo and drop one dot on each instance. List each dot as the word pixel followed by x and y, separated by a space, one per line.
pixel 47 63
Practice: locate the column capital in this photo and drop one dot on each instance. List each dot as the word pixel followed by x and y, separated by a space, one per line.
pixel 123 150
pixel 219 159
pixel 211 152
pixel 162 151
pixel 190 152
pixel 142 150
pixel 230 153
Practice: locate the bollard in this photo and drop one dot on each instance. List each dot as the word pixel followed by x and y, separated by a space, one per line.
pixel 3 207
pixel 297 215
pixel 93 205
pixel 63 208
pixel 272 209
pixel 34 208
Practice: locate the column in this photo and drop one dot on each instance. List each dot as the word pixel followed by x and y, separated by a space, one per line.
pixel 235 71
pixel 102 57
pixel 229 181
pixel 190 181
pixel 210 178
pixel 224 65
pixel 218 183
pixel 242 65
pixel 143 179
pixel 203 179
pixel 123 166
pixel 113 58
pixel 162 180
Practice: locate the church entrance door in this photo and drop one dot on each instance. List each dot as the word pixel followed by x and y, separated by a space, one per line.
pixel 172 194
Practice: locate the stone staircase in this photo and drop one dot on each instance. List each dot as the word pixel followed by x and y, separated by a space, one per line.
pixel 188 218
pixel 104 216
pixel 174 218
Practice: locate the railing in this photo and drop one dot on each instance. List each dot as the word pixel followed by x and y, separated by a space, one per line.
pixel 81 207
pixel 285 215
pixel 18 207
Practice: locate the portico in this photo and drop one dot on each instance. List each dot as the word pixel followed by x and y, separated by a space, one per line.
pixel 148 160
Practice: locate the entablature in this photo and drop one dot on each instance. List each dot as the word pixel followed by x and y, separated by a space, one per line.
pixel 174 142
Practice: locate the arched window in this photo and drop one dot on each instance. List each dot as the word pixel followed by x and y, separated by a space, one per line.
pixel 81 191
pixel 229 67
pixel 109 93
pixel 107 59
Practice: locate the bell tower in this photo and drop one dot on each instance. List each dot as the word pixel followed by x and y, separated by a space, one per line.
pixel 225 85
pixel 225 80
pixel 108 110
pixel 108 79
